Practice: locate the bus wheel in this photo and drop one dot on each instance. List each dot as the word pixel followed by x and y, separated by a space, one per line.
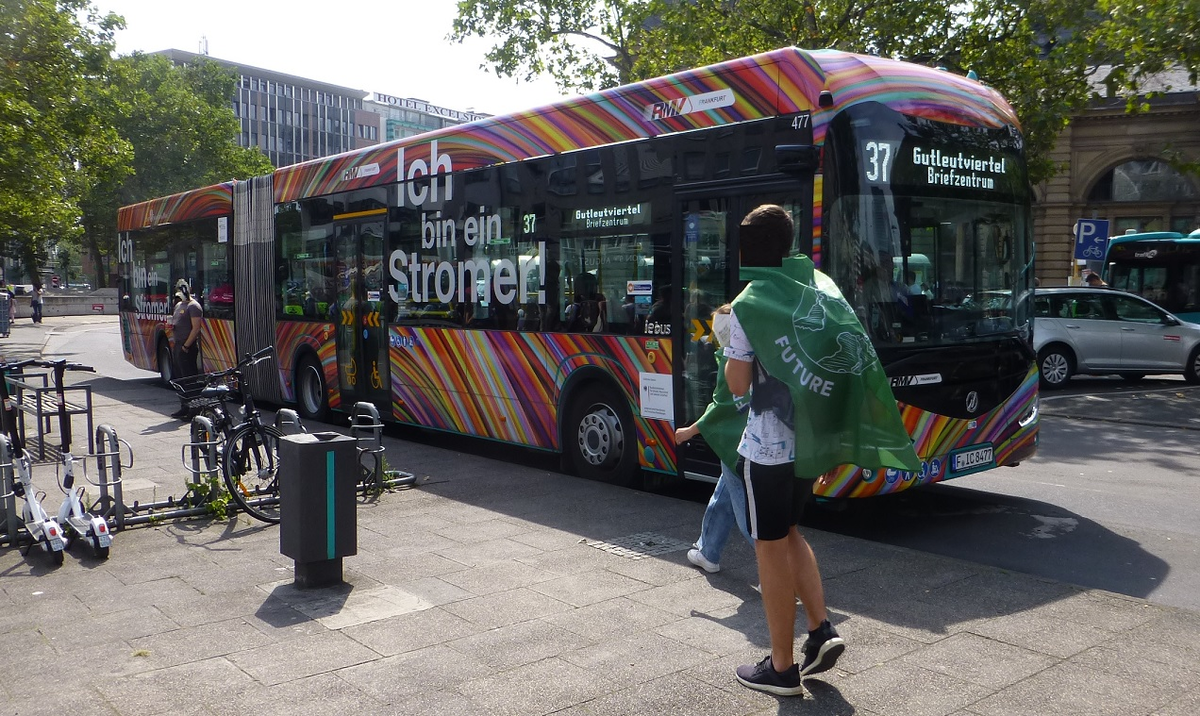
pixel 1055 366
pixel 599 436
pixel 1191 372
pixel 311 397
pixel 165 372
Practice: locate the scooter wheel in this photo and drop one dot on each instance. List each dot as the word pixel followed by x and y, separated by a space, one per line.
pixel 102 553
pixel 56 556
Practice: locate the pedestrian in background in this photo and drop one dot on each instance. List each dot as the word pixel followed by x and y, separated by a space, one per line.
pixel 1093 280
pixel 35 303
pixel 186 324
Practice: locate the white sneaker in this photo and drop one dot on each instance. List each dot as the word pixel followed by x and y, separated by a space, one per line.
pixel 698 559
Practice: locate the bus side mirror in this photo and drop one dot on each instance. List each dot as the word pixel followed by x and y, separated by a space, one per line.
pixel 797 158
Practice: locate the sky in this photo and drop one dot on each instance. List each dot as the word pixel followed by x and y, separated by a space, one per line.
pixel 396 47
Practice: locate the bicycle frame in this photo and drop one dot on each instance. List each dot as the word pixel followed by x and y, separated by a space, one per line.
pixel 244 464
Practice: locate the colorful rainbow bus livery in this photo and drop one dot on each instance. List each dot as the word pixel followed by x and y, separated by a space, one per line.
pixel 547 278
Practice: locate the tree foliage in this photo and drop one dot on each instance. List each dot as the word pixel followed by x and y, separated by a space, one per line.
pixel 52 140
pixel 181 130
pixel 83 132
pixel 1043 55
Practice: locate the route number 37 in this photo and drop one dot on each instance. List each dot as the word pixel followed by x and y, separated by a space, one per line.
pixel 877 158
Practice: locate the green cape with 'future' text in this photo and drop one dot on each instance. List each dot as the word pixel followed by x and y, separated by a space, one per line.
pixel 806 335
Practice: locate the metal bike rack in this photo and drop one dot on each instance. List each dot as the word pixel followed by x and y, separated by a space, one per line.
pixel 108 475
pixel 12 519
pixel 367 430
pixel 288 422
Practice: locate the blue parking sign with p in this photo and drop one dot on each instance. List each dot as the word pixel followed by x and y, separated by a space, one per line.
pixel 1091 239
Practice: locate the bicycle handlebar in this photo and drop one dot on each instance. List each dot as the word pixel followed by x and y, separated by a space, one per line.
pixel 18 365
pixel 257 357
pixel 62 362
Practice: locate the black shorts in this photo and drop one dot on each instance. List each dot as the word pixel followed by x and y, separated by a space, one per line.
pixel 775 498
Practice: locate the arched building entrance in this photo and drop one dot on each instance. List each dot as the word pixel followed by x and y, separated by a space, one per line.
pixel 1120 168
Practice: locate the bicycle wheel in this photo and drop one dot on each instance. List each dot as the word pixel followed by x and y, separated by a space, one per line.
pixel 251 466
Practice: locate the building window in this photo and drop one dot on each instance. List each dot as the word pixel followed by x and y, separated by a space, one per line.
pixel 1147 180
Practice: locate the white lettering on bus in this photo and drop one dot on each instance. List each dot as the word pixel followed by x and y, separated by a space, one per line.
pixel 438 164
pixel 459 280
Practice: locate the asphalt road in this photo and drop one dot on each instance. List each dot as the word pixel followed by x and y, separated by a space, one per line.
pixel 1109 505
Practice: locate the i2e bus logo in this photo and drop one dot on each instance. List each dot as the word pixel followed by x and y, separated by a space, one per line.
pixel 686 105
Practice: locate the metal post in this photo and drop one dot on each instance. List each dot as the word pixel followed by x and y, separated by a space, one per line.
pixel 288 422
pixel 6 491
pixel 111 507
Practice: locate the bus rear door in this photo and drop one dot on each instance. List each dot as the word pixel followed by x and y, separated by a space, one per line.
pixel 362 351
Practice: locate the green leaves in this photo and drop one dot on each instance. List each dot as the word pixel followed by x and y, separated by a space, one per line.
pixel 1041 54
pixel 83 133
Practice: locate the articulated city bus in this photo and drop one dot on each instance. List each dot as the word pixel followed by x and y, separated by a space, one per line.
pixel 547 278
pixel 1161 266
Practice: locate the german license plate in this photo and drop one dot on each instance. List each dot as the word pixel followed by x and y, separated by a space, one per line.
pixel 973 459
pixel 104 540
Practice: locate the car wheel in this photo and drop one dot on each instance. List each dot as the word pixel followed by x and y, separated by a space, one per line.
pixel 1133 377
pixel 1191 372
pixel 1055 365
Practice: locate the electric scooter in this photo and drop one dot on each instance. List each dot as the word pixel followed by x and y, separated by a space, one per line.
pixel 72 516
pixel 44 531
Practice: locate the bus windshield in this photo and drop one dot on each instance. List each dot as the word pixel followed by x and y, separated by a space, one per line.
pixel 1162 268
pixel 929 238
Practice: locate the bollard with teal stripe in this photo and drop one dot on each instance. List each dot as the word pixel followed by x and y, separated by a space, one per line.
pixel 318 515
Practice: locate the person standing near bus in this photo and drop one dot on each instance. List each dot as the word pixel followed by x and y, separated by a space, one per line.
pixel 186 324
pixel 721 425
pixel 787 567
pixel 820 399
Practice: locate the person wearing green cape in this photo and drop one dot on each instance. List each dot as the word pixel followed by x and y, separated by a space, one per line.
pixel 819 398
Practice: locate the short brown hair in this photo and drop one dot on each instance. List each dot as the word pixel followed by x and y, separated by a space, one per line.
pixel 765 236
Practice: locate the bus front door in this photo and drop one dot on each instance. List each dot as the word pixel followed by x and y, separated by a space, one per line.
pixel 362 350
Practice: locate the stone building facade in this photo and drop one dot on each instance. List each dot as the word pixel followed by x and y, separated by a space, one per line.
pixel 1117 169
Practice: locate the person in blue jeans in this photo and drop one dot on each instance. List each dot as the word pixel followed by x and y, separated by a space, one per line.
pixel 721 425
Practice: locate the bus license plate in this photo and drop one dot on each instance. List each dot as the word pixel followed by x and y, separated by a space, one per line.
pixel 970 460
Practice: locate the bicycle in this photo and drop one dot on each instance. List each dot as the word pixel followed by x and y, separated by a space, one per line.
pixel 72 516
pixel 248 451
pixel 44 531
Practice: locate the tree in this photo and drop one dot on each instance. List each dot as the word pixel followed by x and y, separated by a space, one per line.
pixel 50 137
pixel 181 130
pixel 583 44
pixel 1043 55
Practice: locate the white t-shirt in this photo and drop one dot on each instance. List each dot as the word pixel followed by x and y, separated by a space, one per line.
pixel 766 439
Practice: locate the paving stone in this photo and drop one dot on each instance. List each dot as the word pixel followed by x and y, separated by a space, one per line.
pixel 1074 689
pixel 299 658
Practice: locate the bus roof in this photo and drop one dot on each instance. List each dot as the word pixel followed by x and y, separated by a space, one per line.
pixel 1154 236
pixel 780 82
pixel 209 201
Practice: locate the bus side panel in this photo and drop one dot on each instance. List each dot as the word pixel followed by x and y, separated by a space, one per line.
pixel 937 437
pixel 290 336
pixel 140 340
pixel 505 385
pixel 217 346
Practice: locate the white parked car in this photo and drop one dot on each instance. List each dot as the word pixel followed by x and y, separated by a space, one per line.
pixel 1102 331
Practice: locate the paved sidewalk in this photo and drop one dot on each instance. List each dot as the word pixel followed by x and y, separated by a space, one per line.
pixel 497 588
